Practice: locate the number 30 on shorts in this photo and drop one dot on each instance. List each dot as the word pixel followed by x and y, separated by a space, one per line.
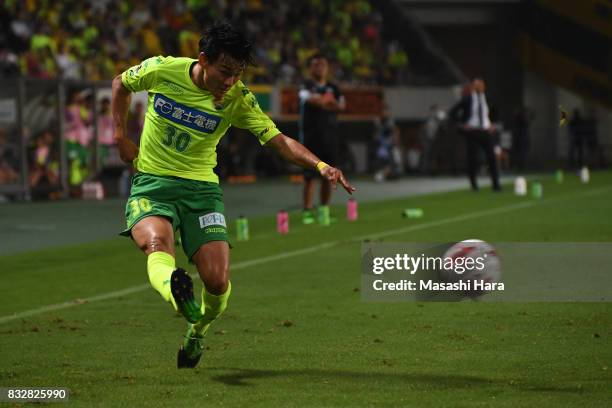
pixel 139 205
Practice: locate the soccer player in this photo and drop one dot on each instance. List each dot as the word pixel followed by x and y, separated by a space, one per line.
pixel 191 104
pixel 320 102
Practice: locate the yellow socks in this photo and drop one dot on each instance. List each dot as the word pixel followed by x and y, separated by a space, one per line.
pixel 160 266
pixel 212 307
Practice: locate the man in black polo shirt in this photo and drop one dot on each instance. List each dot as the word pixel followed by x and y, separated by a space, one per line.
pixel 320 102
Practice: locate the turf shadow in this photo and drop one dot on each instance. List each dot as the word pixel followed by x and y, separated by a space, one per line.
pixel 245 377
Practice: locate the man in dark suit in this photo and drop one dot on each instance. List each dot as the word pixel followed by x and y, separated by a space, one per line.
pixel 472 114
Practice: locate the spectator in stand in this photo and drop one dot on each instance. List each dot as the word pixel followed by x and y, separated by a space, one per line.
pixel 150 39
pixel 69 66
pixel 32 64
pixel 8 160
pixel 22 29
pixel 77 136
pixel 42 39
pixel 99 67
pixel 397 60
pixel 388 151
pixel 43 168
pixel 105 135
pixel 189 38
pixel 9 63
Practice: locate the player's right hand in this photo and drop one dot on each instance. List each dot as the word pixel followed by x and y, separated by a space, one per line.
pixel 334 175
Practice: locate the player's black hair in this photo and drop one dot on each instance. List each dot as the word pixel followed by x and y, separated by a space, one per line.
pixel 316 56
pixel 223 38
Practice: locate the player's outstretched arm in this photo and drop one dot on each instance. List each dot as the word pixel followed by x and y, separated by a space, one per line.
pixel 294 152
pixel 120 103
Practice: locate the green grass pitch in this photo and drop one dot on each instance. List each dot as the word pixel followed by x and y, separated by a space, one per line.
pixel 297 333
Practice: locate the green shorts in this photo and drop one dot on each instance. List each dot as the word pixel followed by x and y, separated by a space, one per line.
pixel 195 208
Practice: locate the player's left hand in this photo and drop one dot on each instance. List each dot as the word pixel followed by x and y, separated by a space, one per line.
pixel 335 176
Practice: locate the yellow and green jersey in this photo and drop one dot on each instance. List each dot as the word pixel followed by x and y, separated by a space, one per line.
pixel 182 124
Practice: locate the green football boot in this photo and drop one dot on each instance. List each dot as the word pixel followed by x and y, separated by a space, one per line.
pixel 191 350
pixel 182 291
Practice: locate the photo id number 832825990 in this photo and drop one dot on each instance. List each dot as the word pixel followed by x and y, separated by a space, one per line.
pixel 8 394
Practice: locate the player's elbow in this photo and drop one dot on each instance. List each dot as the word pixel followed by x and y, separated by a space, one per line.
pixel 117 81
pixel 118 87
pixel 277 143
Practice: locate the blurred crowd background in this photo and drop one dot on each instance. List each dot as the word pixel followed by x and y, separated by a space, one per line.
pixel 96 40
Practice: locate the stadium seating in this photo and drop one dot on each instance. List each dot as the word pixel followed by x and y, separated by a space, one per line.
pixel 95 40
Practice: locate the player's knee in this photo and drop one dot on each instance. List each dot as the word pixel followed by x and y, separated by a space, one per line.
pixel 155 243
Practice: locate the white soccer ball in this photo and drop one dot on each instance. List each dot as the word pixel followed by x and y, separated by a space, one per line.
pixel 472 261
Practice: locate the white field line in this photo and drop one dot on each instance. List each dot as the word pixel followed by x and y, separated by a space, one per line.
pixel 308 250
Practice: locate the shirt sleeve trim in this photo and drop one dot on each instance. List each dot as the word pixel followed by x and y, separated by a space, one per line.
pixel 272 133
pixel 124 82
